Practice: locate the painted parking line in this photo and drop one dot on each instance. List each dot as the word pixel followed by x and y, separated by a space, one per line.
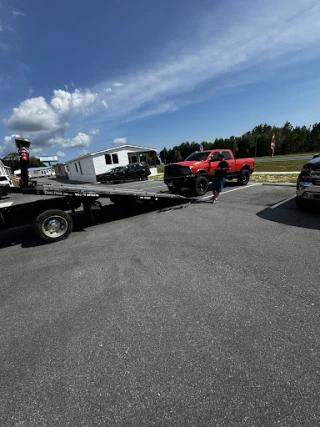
pixel 234 189
pixel 282 202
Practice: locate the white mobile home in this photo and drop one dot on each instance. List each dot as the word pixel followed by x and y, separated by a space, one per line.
pixel 37 172
pixel 87 167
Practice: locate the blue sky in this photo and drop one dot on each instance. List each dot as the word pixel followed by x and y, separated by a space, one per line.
pixel 79 76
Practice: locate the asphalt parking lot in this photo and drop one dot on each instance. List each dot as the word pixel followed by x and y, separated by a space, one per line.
pixel 200 315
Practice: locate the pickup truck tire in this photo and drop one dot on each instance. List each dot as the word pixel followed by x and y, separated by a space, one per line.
pixel 201 185
pixel 53 225
pixel 243 177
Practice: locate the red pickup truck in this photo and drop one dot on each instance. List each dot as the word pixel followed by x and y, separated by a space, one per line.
pixel 198 169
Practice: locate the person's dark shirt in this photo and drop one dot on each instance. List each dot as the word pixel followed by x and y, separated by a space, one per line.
pixel 220 173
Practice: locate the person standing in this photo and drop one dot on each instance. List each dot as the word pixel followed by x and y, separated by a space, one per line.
pixel 219 178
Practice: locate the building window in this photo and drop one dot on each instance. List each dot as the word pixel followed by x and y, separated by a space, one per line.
pixel 76 167
pixel 108 159
pixel 80 168
pixel 115 158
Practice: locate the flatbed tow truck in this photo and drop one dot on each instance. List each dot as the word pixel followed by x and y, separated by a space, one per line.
pixel 47 207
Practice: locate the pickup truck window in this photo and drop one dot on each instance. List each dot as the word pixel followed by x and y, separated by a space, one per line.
pixel 226 155
pixel 197 156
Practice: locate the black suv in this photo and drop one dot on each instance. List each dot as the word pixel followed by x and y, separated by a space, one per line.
pixel 132 171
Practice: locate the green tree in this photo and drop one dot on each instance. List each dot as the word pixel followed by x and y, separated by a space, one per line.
pixel 177 156
pixel 13 161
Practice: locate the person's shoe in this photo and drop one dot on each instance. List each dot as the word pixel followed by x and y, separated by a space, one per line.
pixel 212 199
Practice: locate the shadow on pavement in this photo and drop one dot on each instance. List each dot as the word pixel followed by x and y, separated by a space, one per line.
pixel 289 214
pixel 24 235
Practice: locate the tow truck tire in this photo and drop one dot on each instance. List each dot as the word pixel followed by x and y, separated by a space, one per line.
pixel 201 185
pixel 243 177
pixel 53 225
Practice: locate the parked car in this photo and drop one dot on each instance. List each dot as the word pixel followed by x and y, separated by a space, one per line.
pixel 5 181
pixel 132 171
pixel 198 169
pixel 308 185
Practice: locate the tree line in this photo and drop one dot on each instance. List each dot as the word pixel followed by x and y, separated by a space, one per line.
pixel 289 140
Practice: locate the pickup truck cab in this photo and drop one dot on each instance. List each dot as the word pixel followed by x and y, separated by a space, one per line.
pixel 198 169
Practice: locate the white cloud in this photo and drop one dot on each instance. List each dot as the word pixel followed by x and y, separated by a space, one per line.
pixel 117 84
pixel 107 89
pixel 93 131
pixel 120 141
pixel 34 151
pixel 18 13
pixel 9 144
pixel 61 154
pixel 80 140
pixel 104 103
pixel 46 124
pixel 72 103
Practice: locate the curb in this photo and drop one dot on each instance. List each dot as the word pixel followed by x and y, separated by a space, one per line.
pixel 276 173
pixel 285 184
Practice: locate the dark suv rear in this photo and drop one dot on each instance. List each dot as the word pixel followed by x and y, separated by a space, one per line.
pixel 308 185
pixel 132 171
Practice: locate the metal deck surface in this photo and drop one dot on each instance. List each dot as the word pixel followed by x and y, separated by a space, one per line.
pixel 15 199
pixel 101 190
pixel 140 189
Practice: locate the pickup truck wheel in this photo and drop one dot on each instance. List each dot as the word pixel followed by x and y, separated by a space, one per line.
pixel 201 185
pixel 53 225
pixel 144 177
pixel 244 177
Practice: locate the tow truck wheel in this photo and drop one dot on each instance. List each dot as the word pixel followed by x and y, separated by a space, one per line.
pixel 201 185
pixel 53 225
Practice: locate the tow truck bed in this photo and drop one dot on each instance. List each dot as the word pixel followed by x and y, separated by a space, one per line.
pixel 46 206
